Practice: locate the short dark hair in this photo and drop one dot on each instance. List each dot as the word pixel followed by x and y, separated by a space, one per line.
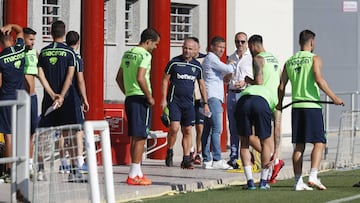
pixel 255 39
pixel 149 34
pixel 305 36
pixel 5 37
pixel 57 29
pixel 72 37
pixel 216 40
pixel 29 31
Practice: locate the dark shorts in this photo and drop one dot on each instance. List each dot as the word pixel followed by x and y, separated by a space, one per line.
pixel 199 117
pixel 253 111
pixel 138 114
pixel 5 119
pixel 34 118
pixel 183 112
pixel 62 116
pixel 308 126
pixel 5 115
pixel 69 113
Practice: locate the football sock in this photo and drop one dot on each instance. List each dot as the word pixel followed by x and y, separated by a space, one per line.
pixel 270 172
pixel 313 174
pixel 264 173
pixel 248 172
pixel 134 170
pixel 30 164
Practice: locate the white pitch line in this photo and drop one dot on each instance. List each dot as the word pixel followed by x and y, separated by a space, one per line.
pixel 345 199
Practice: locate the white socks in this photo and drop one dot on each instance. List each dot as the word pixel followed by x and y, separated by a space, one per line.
pixel 264 173
pixel 248 172
pixel 313 174
pixel 135 170
pixel 30 163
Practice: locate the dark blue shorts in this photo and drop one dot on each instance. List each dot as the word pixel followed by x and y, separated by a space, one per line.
pixel 69 113
pixel 5 119
pixel 199 117
pixel 308 126
pixel 138 114
pixel 253 111
pixel 62 116
pixel 183 112
pixel 5 114
pixel 34 118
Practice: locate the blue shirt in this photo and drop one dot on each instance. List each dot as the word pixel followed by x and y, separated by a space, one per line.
pixel 12 62
pixel 182 79
pixel 214 70
pixel 79 67
pixel 201 55
pixel 55 60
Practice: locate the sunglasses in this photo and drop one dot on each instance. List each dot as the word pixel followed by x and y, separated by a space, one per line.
pixel 240 41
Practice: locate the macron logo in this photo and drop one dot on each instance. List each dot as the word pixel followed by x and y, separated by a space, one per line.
pixel 186 77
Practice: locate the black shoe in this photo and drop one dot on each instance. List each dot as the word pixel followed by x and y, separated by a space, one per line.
pixel 6 178
pixel 186 163
pixel 357 184
pixel 192 156
pixel 233 164
pixel 169 158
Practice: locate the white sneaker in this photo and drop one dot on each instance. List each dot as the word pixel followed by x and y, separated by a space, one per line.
pixel 41 176
pixel 207 164
pixel 300 186
pixel 64 169
pixel 317 184
pixel 221 164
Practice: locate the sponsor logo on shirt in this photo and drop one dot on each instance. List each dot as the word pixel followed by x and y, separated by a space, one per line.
pixel 17 64
pixel 49 53
pixel 14 58
pixel 185 77
pixel 53 60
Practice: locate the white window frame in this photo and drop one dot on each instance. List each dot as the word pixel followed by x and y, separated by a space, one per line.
pixel 129 23
pixel 48 18
pixel 181 24
pixel 106 19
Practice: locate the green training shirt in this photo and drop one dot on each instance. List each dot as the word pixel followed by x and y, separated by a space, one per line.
pixel 31 61
pixel 271 72
pixel 131 61
pixel 300 73
pixel 263 91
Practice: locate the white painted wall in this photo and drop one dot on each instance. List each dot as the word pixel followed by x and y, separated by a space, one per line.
pixel 273 20
pixel 114 48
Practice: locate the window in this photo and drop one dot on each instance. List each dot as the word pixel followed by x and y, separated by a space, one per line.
pixel 129 20
pixel 106 19
pixel 51 13
pixel 180 22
